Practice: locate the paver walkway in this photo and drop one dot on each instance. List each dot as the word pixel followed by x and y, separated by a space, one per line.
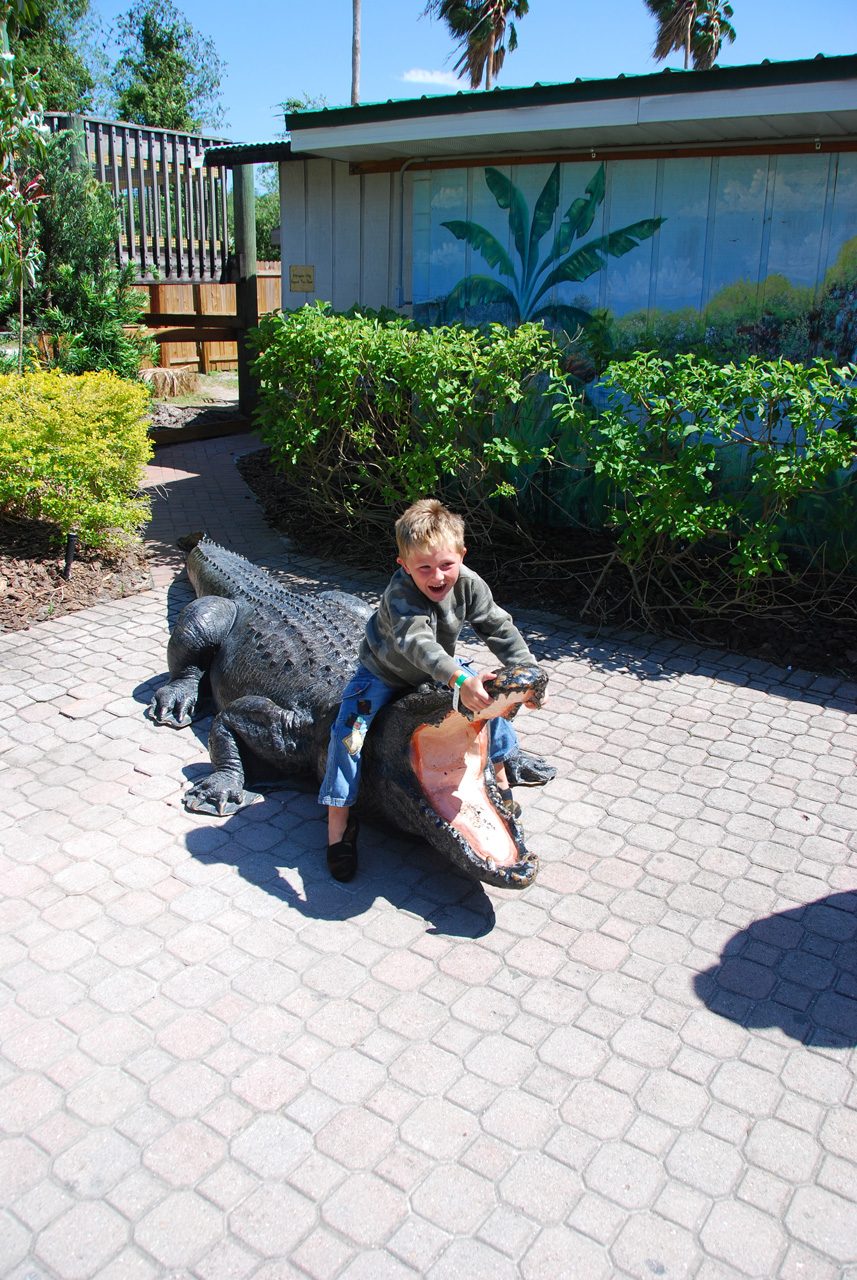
pixel 216 1063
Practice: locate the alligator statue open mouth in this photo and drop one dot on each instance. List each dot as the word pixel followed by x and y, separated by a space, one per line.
pixel 278 663
pixel 439 782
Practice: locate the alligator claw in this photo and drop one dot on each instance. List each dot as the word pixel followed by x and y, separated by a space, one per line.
pixel 173 704
pixel 219 794
pixel 169 719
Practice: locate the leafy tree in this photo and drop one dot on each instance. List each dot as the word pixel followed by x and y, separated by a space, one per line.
pixel 267 218
pixel 22 147
pixel 479 26
pixel 306 102
pixel 55 39
pixel 698 27
pixel 169 75
pixel 82 302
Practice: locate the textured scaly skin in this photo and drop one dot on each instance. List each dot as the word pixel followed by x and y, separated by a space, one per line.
pixel 290 645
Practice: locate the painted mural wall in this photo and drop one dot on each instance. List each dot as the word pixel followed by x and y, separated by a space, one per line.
pixel 734 254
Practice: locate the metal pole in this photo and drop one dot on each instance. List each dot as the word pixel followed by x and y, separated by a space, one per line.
pixel 355 53
pixel 246 298
pixel 70 548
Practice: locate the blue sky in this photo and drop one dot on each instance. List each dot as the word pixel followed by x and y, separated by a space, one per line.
pixel 284 48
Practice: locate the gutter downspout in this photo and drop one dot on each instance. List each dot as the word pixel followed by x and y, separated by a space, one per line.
pixel 399 297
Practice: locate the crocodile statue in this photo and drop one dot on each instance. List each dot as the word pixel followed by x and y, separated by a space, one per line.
pixel 278 663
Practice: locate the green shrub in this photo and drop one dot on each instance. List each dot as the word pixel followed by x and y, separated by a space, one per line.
pixel 751 461
pixel 371 414
pixel 72 450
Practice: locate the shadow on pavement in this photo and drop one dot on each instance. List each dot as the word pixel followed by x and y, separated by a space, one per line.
pixel 291 867
pixel 654 659
pixel 179 593
pixel 796 970
pixel 407 873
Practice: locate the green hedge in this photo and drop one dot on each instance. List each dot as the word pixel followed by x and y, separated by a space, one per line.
pixel 72 452
pixel 368 414
pixel 718 483
pixel 754 460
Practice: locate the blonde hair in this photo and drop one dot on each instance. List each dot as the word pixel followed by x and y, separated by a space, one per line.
pixel 428 523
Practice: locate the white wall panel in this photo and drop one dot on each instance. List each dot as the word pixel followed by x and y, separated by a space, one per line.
pixel 346 273
pixel 319 228
pixel 292 224
pixel 377 239
pixel 348 228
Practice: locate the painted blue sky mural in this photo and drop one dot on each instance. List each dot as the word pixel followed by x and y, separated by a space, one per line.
pixel 704 226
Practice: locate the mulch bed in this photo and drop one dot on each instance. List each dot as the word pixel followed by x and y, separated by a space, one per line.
pixel 173 417
pixel 32 587
pixel 556 573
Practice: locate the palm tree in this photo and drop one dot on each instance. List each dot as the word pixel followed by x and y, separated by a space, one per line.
pixel 479 26
pixel 712 27
pixel 699 27
pixel 355 53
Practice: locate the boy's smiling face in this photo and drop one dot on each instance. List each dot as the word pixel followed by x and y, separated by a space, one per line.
pixel 435 570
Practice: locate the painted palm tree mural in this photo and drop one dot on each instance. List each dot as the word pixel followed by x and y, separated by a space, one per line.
pixel 532 279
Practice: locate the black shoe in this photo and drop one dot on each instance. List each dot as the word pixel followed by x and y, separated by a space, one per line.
pixel 342 856
pixel 528 771
pixel 509 803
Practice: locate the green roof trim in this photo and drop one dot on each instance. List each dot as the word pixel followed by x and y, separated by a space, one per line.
pixel 233 153
pixel 758 75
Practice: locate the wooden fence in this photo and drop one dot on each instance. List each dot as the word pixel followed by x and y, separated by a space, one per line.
pixel 198 301
pixel 172 206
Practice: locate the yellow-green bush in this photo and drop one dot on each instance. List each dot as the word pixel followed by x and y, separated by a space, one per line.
pixel 72 451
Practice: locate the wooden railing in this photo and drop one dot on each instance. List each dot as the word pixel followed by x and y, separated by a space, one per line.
pixel 172 206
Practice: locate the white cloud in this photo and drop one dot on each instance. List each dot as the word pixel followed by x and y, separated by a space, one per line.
pixel 440 79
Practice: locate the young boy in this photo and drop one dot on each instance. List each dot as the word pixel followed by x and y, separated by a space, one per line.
pixel 409 639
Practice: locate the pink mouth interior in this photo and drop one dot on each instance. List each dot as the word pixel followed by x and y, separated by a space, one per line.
pixel 449 761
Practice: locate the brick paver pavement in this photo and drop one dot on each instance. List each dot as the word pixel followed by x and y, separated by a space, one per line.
pixel 217 1063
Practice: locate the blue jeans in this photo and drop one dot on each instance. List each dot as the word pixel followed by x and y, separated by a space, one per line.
pixel 363 698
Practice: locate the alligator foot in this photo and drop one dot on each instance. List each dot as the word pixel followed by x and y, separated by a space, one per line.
pixel 221 793
pixel 523 770
pixel 174 703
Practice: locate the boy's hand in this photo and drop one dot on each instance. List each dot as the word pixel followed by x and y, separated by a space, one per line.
pixel 473 693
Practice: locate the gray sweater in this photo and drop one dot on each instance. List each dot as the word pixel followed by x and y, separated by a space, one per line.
pixel 410 638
